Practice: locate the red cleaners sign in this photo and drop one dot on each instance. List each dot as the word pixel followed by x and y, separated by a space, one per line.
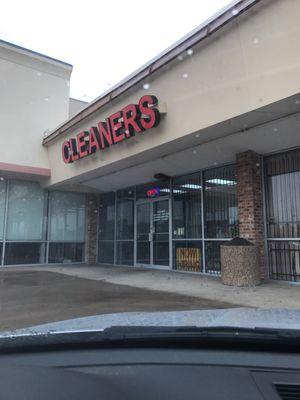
pixel 122 125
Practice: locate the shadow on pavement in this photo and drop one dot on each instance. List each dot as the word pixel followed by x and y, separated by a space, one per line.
pixel 29 298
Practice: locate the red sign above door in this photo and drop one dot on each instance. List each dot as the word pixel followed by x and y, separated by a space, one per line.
pixel 122 125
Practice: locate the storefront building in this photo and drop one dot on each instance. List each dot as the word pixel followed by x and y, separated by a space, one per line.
pixel 198 146
pixel 178 222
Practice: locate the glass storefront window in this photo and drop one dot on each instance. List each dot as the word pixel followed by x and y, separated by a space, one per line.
pixel 125 226
pixel 107 216
pixel 106 251
pixel 67 217
pixel 161 232
pixel 67 227
pixel 283 195
pixel 125 214
pixel 219 214
pixel 1 251
pixel 282 177
pixel 187 207
pixel 161 251
pixel 65 252
pixel 24 253
pixel 220 202
pixel 187 255
pixel 218 211
pixel 284 259
pixel 212 256
pixel 30 233
pixel 125 252
pixel 25 214
pixel 2 206
pixel 143 252
pixel 284 213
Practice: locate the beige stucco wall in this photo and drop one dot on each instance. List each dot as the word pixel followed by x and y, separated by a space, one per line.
pixel 252 62
pixel 34 98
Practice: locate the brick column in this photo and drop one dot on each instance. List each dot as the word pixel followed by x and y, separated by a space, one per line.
pixel 250 202
pixel 91 229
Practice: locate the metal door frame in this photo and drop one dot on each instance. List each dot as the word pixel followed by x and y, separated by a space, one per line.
pixel 151 202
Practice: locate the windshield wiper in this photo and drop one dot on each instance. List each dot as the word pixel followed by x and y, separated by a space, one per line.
pixel 132 336
pixel 152 332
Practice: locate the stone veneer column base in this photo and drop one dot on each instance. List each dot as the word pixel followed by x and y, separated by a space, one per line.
pixel 240 265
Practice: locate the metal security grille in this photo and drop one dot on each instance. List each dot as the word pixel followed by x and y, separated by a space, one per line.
pixel 285 260
pixel 282 177
pixel 220 213
pixel 204 216
pixel 220 203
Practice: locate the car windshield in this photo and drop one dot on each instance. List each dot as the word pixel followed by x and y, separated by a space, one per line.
pixel 150 164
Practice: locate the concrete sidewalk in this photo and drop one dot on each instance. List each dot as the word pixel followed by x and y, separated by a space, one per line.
pixel 270 294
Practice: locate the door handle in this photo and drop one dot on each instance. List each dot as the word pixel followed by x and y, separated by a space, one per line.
pixel 150 237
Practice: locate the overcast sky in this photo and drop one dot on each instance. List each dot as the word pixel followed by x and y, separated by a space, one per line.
pixel 104 40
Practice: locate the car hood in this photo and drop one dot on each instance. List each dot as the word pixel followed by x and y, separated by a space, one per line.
pixel 236 317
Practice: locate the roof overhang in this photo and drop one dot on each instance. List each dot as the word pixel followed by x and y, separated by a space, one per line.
pixel 9 170
pixel 269 129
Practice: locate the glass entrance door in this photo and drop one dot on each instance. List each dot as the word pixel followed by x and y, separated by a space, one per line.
pixel 143 229
pixel 152 233
pixel 160 232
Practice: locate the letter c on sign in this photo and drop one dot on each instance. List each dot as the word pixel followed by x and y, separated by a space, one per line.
pixel 66 152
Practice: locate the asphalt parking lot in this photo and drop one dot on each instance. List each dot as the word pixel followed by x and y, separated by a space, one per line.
pixel 29 298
